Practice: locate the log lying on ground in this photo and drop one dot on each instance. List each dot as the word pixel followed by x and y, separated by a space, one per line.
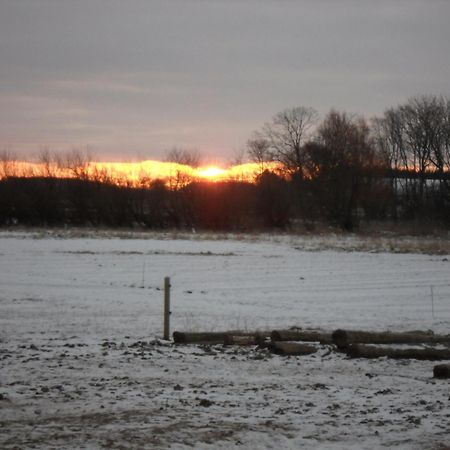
pixel 218 337
pixel 301 335
pixel 250 339
pixel 200 338
pixel 292 348
pixel 370 351
pixel 441 371
pixel 343 338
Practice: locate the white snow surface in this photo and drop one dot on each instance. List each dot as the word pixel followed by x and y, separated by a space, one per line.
pixel 82 364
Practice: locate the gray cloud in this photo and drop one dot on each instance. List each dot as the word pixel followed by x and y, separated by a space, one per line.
pixel 134 78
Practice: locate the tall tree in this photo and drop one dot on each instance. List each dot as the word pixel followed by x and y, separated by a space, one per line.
pixel 340 163
pixel 415 136
pixel 285 136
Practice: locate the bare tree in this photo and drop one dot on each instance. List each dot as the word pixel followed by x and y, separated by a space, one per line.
pixel 77 161
pixel 347 137
pixel 259 151
pixel 48 162
pixel 341 163
pixel 389 137
pixel 185 157
pixel 424 130
pixel 8 164
pixel 415 137
pixel 446 149
pixel 422 125
pixel 286 135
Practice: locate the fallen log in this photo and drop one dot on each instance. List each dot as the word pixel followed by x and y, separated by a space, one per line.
pixel 250 339
pixel 301 335
pixel 370 351
pixel 212 338
pixel 343 338
pixel 441 371
pixel 200 338
pixel 292 348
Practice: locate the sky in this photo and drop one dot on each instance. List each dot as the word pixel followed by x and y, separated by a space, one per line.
pixel 133 79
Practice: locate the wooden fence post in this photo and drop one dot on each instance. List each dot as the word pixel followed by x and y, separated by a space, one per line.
pixel 167 308
pixel 432 301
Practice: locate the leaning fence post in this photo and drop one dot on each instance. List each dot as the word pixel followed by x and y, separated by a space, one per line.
pixel 167 308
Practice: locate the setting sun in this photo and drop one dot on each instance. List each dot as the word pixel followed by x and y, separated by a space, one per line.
pixel 211 172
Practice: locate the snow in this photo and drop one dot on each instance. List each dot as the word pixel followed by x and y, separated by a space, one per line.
pixel 82 365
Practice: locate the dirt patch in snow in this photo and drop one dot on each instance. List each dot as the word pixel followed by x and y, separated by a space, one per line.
pixel 153 394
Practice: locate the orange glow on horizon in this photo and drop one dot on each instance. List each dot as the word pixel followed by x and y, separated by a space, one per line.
pixel 136 173
pixel 211 172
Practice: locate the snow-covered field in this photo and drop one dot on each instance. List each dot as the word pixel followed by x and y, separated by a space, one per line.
pixel 81 365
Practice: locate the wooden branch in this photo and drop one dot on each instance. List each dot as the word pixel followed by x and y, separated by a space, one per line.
pixel 370 351
pixel 292 348
pixel 343 338
pixel 301 335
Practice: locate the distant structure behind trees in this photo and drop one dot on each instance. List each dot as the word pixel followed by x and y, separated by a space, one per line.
pixel 342 171
pixel 345 168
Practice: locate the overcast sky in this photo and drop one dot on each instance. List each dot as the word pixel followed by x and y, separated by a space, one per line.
pixel 134 78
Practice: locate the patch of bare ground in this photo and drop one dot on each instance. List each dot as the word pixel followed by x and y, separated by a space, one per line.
pixel 130 429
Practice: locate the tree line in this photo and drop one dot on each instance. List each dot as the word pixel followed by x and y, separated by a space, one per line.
pixel 342 170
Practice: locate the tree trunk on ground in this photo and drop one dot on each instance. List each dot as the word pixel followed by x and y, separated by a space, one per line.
pixel 292 348
pixel 369 351
pixel 441 371
pixel 211 338
pixel 200 338
pixel 301 335
pixel 343 338
pixel 251 339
